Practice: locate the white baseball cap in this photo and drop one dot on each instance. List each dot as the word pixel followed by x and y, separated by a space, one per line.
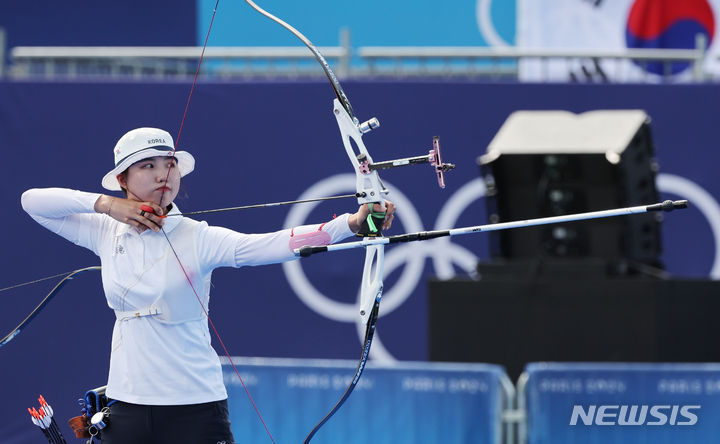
pixel 142 143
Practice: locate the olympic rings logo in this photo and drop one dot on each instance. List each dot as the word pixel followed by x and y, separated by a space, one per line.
pixel 444 254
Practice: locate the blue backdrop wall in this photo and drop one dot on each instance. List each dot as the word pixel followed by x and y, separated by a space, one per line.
pixel 258 142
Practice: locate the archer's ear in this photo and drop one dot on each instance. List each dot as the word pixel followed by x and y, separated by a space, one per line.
pixel 122 180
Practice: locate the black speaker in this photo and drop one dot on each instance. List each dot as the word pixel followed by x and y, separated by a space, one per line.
pixel 551 163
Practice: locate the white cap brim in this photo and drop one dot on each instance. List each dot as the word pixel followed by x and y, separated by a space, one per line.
pixel 185 163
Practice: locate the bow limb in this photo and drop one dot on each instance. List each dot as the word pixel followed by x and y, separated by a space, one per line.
pixel 326 67
pixel 46 300
pixel 369 332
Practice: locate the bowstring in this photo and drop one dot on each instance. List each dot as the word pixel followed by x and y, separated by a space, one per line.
pixel 177 143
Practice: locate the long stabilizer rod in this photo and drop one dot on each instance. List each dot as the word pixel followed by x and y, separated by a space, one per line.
pixel 666 206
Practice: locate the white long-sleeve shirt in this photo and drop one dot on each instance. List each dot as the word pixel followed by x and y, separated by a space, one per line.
pixel 162 359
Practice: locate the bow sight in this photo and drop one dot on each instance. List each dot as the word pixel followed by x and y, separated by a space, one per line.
pixel 434 158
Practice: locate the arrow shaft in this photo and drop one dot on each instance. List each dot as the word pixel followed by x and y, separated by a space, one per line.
pixel 266 205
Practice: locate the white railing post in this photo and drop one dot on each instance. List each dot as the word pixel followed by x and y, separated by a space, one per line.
pixel 343 70
pixel 698 68
pixel 2 51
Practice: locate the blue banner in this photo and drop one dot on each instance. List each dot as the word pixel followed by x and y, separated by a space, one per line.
pixel 622 403
pixel 403 403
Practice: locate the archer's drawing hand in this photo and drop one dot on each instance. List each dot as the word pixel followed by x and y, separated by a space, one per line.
pixel 131 212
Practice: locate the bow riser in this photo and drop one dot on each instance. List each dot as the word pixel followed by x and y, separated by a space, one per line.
pixel 367 184
pixel 370 190
pixel 372 283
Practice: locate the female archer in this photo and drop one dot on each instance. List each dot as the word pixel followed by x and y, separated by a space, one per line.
pixel 165 377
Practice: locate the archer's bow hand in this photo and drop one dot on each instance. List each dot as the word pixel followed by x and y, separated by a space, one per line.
pixel 371 223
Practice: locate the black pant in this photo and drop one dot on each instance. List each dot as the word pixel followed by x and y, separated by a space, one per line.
pixel 206 423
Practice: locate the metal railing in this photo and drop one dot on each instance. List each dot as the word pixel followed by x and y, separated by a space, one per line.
pixel 79 61
pixel 293 62
pixel 496 59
